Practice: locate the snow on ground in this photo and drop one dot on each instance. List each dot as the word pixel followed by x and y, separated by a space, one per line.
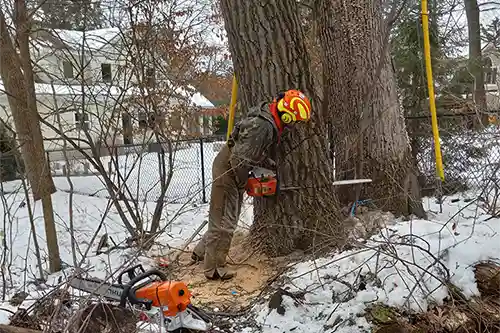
pixel 328 305
pixel 459 236
pixel 398 260
pixel 88 214
pixel 178 220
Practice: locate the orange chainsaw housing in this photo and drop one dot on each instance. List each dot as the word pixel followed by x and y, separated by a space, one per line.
pixel 175 295
pixel 261 186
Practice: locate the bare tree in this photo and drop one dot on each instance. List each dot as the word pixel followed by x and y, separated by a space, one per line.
pixel 152 86
pixel 17 75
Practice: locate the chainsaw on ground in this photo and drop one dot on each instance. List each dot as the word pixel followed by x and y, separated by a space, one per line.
pixel 263 183
pixel 167 301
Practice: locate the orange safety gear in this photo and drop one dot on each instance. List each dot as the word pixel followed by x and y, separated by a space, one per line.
pixel 292 106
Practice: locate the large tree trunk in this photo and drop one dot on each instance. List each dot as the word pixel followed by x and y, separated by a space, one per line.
pixel 22 102
pixel 370 140
pixel 475 55
pixel 269 54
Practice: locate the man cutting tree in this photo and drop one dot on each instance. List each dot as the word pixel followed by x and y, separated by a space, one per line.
pixel 253 143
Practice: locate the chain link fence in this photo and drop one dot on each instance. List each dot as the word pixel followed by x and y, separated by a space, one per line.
pixel 136 169
pixel 471 156
pixel 471 159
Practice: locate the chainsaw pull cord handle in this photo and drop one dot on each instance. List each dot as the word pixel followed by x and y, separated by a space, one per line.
pixel 129 290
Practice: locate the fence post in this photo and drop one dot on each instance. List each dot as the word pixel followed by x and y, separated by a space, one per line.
pixel 202 157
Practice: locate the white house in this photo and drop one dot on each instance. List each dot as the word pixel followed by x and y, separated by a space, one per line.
pixel 99 84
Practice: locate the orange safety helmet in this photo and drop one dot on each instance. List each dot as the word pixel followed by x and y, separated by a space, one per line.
pixel 292 106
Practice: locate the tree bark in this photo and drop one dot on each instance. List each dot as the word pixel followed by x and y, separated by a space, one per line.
pixel 475 55
pixel 269 54
pixel 22 101
pixel 370 137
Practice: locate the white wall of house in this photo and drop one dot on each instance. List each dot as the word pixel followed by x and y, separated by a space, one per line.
pixel 61 116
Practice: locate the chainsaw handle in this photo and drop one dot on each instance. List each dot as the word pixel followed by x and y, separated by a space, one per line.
pixel 129 290
pixel 130 272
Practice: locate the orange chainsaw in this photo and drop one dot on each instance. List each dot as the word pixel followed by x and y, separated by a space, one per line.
pixel 167 303
pixel 261 183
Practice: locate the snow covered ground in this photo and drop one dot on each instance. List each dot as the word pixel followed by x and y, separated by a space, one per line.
pixel 389 265
pixel 142 175
pixel 92 216
pixel 397 267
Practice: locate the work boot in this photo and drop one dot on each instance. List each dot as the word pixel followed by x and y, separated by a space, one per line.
pixel 221 273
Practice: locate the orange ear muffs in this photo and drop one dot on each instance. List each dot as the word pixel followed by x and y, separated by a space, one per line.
pixel 286 118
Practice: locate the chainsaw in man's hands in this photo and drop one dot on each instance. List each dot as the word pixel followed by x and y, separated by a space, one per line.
pixel 261 183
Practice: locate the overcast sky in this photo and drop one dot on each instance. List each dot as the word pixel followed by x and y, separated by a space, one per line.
pixel 489 10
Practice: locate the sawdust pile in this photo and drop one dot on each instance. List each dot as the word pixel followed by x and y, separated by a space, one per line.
pixel 253 270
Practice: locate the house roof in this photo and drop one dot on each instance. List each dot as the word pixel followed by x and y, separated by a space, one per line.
pixel 107 91
pixel 96 40
pixel 92 39
pixel 201 101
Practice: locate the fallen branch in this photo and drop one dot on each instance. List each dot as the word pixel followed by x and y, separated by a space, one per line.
pixel 14 329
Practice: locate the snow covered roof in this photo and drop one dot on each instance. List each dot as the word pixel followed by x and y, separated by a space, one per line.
pixel 92 39
pixel 201 101
pixel 105 91
pixel 196 98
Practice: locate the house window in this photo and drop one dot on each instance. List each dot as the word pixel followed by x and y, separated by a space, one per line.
pixel 82 121
pixel 150 76
pixel 206 125
pixel 68 70
pixel 143 120
pixel 106 72
pixel 491 76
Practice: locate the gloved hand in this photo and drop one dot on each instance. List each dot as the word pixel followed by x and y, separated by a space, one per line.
pixel 242 175
pixel 269 164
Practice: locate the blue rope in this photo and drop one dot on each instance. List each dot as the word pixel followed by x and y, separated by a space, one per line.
pixel 357 203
